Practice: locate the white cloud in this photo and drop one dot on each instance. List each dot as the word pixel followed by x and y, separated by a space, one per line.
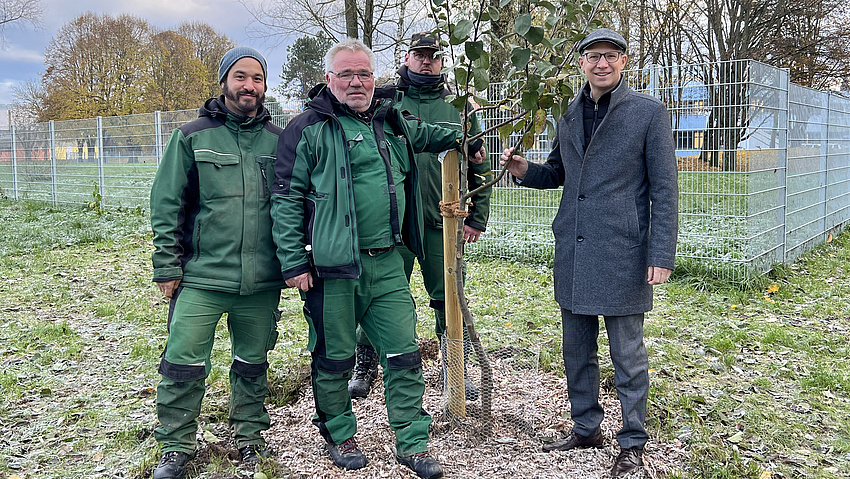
pixel 18 54
pixel 6 93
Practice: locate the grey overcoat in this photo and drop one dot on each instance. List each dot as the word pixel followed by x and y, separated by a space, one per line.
pixel 605 232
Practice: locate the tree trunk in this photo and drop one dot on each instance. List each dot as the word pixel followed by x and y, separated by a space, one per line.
pixel 351 18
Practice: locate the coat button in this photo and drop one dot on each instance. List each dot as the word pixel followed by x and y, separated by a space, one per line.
pixel 581 197
pixel 580 239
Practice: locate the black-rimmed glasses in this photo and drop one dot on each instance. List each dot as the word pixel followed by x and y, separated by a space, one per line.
pixel 595 57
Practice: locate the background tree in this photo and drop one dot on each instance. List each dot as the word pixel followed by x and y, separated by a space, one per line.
pixel 98 65
pixel 94 64
pixel 177 79
pixel 382 25
pixel 808 37
pixel 304 67
pixel 18 12
pixel 208 46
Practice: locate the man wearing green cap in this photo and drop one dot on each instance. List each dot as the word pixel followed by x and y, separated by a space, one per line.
pixel 424 92
pixel 213 255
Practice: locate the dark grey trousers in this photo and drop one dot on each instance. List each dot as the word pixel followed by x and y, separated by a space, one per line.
pixel 631 373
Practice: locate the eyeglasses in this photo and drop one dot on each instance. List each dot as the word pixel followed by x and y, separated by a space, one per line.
pixel 420 57
pixel 595 57
pixel 348 76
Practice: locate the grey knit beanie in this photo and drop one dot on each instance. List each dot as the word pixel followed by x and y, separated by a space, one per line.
pixel 234 55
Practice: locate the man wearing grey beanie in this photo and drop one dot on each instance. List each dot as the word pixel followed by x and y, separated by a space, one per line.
pixel 214 254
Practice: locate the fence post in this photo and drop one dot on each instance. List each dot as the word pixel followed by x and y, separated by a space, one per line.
pixel 100 176
pixel 14 163
pixel 157 120
pixel 53 170
pixel 784 74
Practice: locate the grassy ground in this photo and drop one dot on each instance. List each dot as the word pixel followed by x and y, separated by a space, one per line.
pixel 754 383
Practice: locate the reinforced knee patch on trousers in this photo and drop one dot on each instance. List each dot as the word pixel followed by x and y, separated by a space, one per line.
pixel 412 360
pixel 248 370
pixel 335 366
pixel 181 372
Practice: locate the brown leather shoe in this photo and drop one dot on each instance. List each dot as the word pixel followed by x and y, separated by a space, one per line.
pixel 574 440
pixel 627 461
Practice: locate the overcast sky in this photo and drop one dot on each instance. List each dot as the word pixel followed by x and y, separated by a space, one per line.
pixel 21 58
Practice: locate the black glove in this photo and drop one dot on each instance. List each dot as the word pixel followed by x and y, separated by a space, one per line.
pixel 474 146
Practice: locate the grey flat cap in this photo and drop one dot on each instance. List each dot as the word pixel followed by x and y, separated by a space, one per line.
pixel 602 35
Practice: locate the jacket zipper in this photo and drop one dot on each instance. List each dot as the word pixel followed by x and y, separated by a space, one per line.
pixel 198 243
pixel 264 180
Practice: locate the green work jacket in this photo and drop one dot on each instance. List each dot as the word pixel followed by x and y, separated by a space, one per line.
pixel 313 204
pixel 429 105
pixel 210 203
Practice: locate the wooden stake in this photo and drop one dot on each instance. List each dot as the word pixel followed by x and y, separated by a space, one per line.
pixel 454 319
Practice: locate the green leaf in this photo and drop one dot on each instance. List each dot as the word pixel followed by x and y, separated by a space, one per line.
pixel 533 82
pixel 522 24
pixel 506 130
pixel 460 33
pixel 551 129
pixel 481 100
pixel 518 126
pixel 473 49
pixel 544 67
pixel 520 57
pixel 548 6
pixel 483 61
pixel 437 3
pixel 461 75
pixel 534 35
pixel 556 113
pixel 460 102
pixel 529 100
pixel 503 3
pixel 546 100
pixel 494 13
pixel 481 79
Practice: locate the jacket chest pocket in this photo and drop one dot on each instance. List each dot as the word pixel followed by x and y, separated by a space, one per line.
pixel 219 174
pixel 266 174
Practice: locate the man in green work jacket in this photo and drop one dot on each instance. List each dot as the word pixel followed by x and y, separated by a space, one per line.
pixel 214 254
pixel 424 92
pixel 345 201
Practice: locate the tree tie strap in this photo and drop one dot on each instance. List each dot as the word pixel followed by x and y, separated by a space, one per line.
pixel 452 209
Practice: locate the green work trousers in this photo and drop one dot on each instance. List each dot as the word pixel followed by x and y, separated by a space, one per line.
pixel 379 301
pixel 193 316
pixel 432 275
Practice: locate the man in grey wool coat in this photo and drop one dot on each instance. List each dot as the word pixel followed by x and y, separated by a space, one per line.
pixel 615 157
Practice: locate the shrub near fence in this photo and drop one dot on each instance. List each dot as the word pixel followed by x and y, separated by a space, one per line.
pixel 764 167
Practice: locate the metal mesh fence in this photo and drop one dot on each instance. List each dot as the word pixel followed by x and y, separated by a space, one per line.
pixel 764 166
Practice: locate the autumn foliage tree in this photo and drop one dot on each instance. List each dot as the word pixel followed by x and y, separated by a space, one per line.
pixel 99 65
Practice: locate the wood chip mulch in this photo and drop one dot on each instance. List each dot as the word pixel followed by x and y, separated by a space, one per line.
pixel 528 410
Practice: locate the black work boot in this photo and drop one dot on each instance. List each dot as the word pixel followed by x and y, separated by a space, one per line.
pixel 172 465
pixel 422 464
pixel 347 455
pixel 365 371
pixel 252 453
